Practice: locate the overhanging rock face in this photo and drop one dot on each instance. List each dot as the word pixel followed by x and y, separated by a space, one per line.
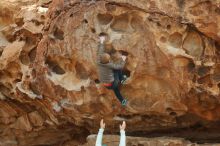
pixel 49 81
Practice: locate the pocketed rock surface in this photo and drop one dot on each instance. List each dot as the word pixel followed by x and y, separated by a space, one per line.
pixel 49 88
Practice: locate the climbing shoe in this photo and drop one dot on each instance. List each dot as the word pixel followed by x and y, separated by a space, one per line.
pixel 124 102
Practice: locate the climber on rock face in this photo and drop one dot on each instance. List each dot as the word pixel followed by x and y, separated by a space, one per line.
pixel 110 73
pixel 101 130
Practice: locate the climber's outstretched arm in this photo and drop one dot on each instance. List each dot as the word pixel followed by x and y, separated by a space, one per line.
pixel 100 134
pixel 101 48
pixel 100 51
pixel 123 136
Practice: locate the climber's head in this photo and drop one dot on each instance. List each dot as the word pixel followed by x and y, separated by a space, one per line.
pixel 109 48
pixel 116 56
pixel 105 58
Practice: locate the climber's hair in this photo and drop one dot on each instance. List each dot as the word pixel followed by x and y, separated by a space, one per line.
pixel 105 58
pixel 116 56
pixel 109 48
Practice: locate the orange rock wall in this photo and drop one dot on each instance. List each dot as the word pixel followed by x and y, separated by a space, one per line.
pixel 49 81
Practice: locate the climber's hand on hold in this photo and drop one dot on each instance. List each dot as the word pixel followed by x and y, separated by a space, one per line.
pixel 122 126
pixel 102 124
pixel 123 57
pixel 102 39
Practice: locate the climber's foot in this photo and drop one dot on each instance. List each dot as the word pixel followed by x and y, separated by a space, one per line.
pixel 124 102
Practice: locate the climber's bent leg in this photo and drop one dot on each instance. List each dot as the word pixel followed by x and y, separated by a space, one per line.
pixel 117 92
pixel 119 74
pixel 114 86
